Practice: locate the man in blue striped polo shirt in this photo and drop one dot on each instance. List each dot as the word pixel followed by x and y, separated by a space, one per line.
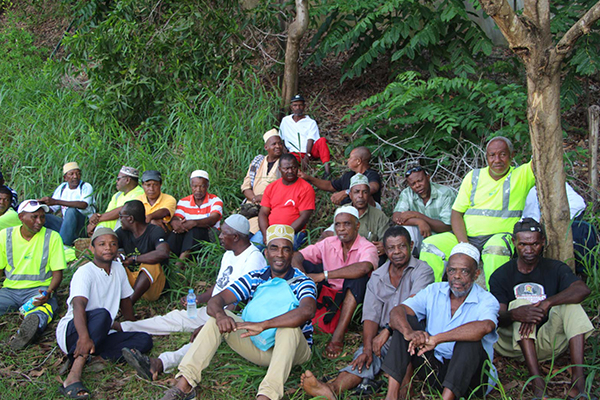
pixel 293 335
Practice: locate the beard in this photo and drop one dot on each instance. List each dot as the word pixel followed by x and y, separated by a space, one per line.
pixel 461 293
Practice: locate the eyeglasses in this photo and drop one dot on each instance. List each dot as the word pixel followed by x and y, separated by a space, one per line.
pixel 454 271
pixel 123 215
pixel 120 177
pixel 413 169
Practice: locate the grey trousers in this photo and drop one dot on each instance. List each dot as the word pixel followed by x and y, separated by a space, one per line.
pixel 12 299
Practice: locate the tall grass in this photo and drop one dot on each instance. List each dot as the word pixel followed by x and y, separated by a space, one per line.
pixel 43 125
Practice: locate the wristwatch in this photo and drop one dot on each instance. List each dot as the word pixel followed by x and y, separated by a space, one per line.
pixel 389 329
pixel 326 274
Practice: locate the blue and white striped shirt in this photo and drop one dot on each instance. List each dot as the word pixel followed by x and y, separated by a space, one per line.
pixel 302 287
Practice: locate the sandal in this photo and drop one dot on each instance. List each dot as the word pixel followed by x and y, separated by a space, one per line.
pixel 139 361
pixel 368 387
pixel 333 350
pixel 73 391
pixel 177 394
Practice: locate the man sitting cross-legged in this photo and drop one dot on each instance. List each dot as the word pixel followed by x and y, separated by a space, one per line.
pixel 344 263
pixel 145 250
pixel 280 286
pixel 401 277
pixel 459 337
pixel 240 258
pixel 99 289
pixel 545 317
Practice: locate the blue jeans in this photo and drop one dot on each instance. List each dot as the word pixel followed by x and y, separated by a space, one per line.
pixel 258 241
pixel 69 227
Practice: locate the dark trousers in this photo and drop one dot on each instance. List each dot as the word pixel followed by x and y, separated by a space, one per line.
pixel 462 374
pixel 190 240
pixel 107 346
pixel 358 286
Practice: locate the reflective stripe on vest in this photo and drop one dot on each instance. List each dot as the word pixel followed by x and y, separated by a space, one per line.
pixel 504 212
pixel 43 275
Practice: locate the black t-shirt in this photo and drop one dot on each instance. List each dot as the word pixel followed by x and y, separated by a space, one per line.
pixel 147 242
pixel 555 276
pixel 343 183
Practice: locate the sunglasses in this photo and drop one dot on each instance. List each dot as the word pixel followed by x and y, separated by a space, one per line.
pixel 411 170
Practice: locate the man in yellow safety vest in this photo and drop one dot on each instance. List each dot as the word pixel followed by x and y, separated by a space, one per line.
pixel 32 258
pixel 489 203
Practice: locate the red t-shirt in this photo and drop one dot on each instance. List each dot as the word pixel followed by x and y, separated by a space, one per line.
pixel 286 202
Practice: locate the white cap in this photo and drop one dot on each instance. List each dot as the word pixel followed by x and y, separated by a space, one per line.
pixel 239 223
pixel 466 248
pixel 199 173
pixel 32 205
pixel 348 210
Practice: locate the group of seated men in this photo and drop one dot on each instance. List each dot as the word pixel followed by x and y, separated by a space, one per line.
pixel 412 321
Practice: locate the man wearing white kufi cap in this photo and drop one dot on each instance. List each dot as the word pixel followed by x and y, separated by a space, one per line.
pixel 195 215
pixel 262 171
pixel 457 341
pixel 373 221
pixel 74 198
pixel 342 263
pixel 240 258
pixel 280 338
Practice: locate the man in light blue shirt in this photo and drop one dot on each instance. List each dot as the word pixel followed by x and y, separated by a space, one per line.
pixel 458 339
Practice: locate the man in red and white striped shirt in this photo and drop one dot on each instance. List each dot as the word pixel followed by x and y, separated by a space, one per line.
pixel 194 217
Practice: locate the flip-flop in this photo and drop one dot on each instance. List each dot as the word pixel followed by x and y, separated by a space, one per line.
pixel 333 350
pixel 368 387
pixel 72 391
pixel 139 361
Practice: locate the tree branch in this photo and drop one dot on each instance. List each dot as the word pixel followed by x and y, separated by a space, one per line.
pixel 511 26
pixel 580 28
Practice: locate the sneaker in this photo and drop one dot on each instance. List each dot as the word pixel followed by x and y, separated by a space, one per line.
pixel 26 333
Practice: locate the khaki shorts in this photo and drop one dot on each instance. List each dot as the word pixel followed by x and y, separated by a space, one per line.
pixel 157 277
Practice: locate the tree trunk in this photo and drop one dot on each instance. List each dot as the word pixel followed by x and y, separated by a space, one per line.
pixel 296 31
pixel 530 37
pixel 543 113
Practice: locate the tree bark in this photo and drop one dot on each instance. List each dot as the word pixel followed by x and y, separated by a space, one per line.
pixel 296 31
pixel 530 38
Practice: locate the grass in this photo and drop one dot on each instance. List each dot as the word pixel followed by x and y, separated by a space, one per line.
pixel 43 125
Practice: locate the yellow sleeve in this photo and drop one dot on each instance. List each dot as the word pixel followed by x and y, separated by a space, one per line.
pixel 56 257
pixel 463 202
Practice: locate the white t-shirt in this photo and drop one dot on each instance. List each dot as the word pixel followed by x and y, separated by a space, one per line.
pixel 233 267
pixel 101 290
pixel 289 130
pixel 532 205
pixel 83 192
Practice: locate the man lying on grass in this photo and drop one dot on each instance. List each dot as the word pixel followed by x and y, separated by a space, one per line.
pixel 278 297
pixel 240 258
pixel 98 290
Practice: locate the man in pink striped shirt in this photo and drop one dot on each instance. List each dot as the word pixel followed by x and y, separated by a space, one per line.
pixel 196 214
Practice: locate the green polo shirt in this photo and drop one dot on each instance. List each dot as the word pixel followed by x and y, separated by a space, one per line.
pixel 118 200
pixel 439 205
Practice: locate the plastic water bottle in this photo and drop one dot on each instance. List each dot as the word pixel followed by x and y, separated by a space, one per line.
pixel 191 304
pixel 28 306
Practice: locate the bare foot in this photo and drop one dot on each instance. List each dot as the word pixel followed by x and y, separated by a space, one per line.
pixel 156 367
pixel 314 387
